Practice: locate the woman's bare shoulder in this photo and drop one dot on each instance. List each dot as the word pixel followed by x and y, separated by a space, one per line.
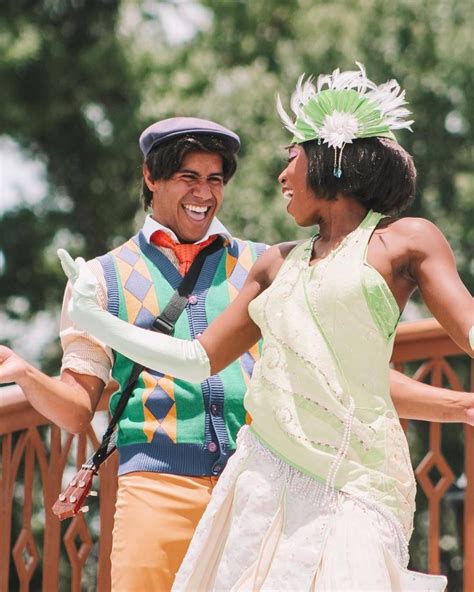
pixel 269 263
pixel 417 233
pixel 409 225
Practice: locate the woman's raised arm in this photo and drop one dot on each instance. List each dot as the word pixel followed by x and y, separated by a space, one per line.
pixel 228 337
pixel 434 269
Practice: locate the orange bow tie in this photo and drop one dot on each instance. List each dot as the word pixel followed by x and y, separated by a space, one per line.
pixel 185 252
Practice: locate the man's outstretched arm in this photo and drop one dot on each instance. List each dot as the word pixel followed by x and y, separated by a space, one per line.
pixel 68 401
pixel 416 400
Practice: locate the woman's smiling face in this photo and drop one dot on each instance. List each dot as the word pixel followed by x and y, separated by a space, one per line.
pixel 302 203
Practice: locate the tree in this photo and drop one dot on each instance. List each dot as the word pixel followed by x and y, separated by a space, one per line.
pixel 78 87
pixel 71 100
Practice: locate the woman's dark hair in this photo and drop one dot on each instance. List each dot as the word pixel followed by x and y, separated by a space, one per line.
pixel 165 160
pixel 377 172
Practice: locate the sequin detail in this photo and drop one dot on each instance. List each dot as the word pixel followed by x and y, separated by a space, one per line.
pixel 320 393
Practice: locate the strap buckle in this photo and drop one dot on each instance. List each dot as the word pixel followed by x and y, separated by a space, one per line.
pixel 160 324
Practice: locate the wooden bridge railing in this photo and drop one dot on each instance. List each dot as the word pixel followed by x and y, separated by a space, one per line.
pixel 37 552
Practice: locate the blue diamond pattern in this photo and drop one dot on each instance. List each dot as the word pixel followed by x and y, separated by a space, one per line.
pixel 155 373
pixel 159 403
pixel 161 437
pixel 128 256
pixel 247 362
pixel 238 277
pixel 144 318
pixel 138 285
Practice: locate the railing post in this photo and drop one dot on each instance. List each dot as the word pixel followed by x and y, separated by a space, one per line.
pixel 52 526
pixel 6 491
pixel 469 502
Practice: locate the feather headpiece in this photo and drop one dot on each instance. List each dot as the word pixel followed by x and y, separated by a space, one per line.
pixel 352 106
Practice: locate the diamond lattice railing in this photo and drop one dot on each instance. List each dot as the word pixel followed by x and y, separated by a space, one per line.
pixel 33 456
pixel 43 451
pixel 428 345
pixel 78 543
pixel 434 460
pixel 26 557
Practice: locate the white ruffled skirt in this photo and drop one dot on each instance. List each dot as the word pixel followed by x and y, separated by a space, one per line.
pixel 269 527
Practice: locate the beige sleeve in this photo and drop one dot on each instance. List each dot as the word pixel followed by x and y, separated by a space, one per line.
pixel 83 353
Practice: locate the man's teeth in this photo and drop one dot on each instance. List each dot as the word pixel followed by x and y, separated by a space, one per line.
pixel 199 209
pixel 288 195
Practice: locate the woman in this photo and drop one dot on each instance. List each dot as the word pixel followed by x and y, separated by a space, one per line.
pixel 320 493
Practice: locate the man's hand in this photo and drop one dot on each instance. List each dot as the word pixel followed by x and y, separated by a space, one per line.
pixel 69 401
pixel 469 408
pixel 11 365
pixel 416 400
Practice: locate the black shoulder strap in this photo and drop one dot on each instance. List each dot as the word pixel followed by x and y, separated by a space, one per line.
pixel 164 323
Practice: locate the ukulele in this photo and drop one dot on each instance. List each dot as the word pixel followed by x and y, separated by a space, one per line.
pixel 71 501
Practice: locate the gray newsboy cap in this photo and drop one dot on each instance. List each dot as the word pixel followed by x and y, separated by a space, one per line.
pixel 164 130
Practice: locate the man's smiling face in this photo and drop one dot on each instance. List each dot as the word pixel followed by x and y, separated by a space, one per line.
pixel 188 201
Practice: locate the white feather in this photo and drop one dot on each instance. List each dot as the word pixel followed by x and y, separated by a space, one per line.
pixel 322 80
pixel 388 100
pixel 285 118
pixel 303 93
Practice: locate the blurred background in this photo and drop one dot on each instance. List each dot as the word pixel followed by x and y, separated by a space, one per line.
pixel 80 79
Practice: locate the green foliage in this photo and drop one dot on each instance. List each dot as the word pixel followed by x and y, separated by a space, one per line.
pixel 71 100
pixel 80 79
pixel 426 45
pixel 252 51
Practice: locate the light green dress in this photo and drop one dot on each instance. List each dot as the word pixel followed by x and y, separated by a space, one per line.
pixel 320 493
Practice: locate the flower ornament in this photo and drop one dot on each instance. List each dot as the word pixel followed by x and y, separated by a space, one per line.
pixel 339 128
pixel 342 107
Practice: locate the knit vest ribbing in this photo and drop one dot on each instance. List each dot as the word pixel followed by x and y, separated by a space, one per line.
pixel 170 425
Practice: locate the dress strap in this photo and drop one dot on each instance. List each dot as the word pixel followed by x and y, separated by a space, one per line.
pixel 370 222
pixel 359 239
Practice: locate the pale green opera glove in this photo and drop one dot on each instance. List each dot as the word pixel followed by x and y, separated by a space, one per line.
pixel 177 357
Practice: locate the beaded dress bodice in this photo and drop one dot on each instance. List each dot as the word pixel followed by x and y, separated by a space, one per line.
pixel 319 396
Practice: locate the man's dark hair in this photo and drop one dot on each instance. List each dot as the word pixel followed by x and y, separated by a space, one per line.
pixel 377 172
pixel 165 160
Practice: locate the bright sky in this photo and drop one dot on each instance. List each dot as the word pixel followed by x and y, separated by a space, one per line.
pixel 22 180
pixel 179 19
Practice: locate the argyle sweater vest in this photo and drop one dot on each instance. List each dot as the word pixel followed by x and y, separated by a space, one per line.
pixel 170 425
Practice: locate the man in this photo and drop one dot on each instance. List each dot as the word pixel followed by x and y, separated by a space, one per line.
pixel 174 437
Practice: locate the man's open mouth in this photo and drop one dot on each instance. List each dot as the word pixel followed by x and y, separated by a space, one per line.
pixel 196 213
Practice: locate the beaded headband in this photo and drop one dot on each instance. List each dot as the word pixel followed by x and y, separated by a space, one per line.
pixel 351 107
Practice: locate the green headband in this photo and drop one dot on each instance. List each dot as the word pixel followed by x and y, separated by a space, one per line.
pixel 351 107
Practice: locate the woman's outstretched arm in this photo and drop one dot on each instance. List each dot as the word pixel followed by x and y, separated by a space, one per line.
pixel 228 337
pixel 416 400
pixel 433 267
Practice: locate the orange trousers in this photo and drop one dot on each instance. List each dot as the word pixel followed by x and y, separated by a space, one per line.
pixel 155 518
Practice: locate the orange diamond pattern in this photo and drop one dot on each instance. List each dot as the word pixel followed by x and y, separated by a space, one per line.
pixel 140 296
pixel 142 307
